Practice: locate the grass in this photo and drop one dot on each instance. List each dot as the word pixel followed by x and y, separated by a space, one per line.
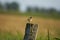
pixel 42 15
pixel 9 36
pixel 12 23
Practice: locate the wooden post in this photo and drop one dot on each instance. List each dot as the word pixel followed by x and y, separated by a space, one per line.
pixel 30 31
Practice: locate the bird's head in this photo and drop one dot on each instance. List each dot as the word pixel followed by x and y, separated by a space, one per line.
pixel 30 17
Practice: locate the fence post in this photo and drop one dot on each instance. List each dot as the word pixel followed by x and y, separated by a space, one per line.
pixel 30 31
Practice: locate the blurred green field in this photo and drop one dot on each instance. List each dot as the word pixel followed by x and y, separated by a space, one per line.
pixel 42 15
pixel 12 26
pixel 10 36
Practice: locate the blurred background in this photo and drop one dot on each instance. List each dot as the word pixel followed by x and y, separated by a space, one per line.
pixel 14 15
pixel 39 7
pixel 30 5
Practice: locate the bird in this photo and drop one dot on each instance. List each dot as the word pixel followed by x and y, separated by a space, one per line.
pixel 29 19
